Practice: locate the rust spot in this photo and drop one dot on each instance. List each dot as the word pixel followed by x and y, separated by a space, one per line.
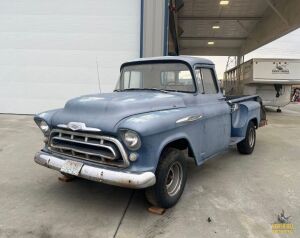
pixel 66 178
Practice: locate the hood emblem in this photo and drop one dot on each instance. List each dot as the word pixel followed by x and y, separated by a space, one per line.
pixel 78 126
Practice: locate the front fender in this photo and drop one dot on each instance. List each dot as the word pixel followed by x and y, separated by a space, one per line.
pixel 46 116
pixel 157 129
pixel 157 122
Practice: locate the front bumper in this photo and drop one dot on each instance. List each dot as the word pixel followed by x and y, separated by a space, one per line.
pixel 117 178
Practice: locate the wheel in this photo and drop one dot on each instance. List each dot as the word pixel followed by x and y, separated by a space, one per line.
pixel 171 176
pixel 247 145
pixel 278 110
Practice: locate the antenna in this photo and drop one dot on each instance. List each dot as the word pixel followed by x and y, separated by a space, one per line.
pixel 98 76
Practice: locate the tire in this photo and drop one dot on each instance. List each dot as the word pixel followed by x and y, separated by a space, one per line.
pixel 171 174
pixel 247 145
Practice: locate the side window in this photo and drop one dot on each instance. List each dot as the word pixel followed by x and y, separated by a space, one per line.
pixel 132 79
pixel 209 83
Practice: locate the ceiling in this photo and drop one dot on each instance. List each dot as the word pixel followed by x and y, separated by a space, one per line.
pixel 244 25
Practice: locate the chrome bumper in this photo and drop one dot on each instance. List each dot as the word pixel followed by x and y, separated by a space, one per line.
pixel 122 179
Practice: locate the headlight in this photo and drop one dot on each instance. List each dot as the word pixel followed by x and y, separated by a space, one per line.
pixel 132 140
pixel 43 126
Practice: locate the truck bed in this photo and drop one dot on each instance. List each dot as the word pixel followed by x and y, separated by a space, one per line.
pixel 241 98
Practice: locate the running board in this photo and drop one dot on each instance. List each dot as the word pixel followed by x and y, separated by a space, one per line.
pixel 235 140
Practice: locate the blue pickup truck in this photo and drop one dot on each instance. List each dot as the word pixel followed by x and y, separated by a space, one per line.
pixel 162 111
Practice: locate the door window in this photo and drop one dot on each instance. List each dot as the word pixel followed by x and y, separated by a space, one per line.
pixel 208 81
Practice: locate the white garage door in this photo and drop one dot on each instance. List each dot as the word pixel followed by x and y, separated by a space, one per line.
pixel 49 49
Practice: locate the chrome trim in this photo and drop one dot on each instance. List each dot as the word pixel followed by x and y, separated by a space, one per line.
pixel 101 138
pixel 189 119
pixel 112 177
pixel 78 126
pixel 83 143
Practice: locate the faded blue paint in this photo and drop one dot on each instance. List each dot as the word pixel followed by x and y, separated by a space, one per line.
pixel 153 116
pixel 248 111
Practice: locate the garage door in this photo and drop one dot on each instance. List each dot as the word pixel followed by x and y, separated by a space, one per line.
pixel 53 50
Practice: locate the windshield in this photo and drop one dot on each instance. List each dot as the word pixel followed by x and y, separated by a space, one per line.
pixel 154 76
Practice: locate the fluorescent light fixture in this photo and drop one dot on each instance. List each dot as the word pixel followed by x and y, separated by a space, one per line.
pixel 216 27
pixel 224 2
pixel 211 43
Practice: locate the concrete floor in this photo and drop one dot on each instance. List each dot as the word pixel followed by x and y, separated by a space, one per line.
pixel 242 194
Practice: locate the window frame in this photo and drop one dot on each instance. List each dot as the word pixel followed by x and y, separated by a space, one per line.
pixel 170 61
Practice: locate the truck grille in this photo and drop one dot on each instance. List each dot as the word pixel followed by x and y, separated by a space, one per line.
pixel 100 149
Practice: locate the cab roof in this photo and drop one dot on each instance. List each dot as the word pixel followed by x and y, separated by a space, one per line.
pixel 186 59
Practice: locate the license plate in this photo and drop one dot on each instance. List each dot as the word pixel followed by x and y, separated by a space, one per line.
pixel 71 167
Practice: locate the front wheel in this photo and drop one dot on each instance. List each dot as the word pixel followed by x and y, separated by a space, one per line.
pixel 171 176
pixel 247 145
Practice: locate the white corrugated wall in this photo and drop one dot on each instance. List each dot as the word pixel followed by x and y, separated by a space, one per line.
pixel 49 49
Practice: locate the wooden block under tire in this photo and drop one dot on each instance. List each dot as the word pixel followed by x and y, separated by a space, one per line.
pixel 156 210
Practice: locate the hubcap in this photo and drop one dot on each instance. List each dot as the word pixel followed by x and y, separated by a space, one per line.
pixel 174 179
pixel 251 137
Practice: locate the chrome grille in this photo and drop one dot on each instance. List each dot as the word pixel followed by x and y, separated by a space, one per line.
pixel 86 146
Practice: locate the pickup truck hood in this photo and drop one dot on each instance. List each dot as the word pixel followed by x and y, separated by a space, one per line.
pixel 104 111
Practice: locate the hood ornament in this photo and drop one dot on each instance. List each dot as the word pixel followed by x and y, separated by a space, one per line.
pixel 78 126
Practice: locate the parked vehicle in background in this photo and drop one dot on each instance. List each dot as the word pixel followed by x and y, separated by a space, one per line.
pixel 296 94
pixel 271 79
pixel 136 136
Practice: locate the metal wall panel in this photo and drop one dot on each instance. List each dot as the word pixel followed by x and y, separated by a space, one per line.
pixel 49 49
pixel 154 28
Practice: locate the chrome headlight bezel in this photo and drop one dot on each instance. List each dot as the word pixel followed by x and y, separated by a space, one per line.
pixel 43 125
pixel 131 139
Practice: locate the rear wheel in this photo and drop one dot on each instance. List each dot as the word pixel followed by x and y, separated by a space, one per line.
pixel 170 179
pixel 247 145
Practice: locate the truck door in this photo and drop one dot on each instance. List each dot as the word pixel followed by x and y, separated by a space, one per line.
pixel 216 112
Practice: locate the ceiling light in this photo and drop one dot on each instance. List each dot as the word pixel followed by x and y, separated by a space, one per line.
pixel 211 43
pixel 216 27
pixel 223 2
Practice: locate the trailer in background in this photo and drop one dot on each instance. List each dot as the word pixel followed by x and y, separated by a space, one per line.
pixel 271 79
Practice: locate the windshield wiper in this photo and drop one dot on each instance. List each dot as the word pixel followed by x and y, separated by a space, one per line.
pixel 158 89
pixel 150 89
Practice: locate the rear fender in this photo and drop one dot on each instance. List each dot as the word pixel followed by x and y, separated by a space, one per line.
pixel 248 111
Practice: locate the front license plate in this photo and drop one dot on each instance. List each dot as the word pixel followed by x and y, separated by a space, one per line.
pixel 71 167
